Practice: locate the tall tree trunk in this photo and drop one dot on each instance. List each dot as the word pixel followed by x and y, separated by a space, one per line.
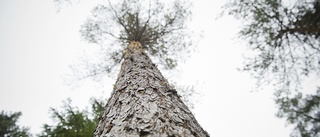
pixel 143 103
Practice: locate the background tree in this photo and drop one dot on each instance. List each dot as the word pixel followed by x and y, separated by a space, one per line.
pixel 9 127
pixel 303 111
pixel 284 38
pixel 71 122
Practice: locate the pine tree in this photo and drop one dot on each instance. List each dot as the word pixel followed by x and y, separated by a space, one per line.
pixel 9 127
pixel 142 102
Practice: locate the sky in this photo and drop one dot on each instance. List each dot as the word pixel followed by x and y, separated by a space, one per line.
pixel 38 45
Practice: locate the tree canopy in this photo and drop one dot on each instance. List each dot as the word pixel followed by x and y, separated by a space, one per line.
pixel 9 127
pixel 71 122
pixel 284 38
pixel 303 111
pixel 159 26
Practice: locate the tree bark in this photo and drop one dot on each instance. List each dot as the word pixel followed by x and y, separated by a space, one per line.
pixel 142 103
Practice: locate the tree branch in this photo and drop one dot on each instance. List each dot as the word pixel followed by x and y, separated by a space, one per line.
pixel 119 20
pixel 310 117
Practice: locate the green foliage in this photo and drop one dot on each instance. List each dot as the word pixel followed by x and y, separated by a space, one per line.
pixel 159 26
pixel 284 37
pixel 303 112
pixel 8 127
pixel 71 122
pixel 97 106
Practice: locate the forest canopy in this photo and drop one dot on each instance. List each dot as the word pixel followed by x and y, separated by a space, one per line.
pixel 284 38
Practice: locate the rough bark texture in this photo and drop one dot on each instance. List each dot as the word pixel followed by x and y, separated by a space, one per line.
pixel 143 103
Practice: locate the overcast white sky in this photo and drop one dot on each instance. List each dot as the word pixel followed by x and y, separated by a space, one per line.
pixel 37 45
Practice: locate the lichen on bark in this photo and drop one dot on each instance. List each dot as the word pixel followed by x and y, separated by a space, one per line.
pixel 142 103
